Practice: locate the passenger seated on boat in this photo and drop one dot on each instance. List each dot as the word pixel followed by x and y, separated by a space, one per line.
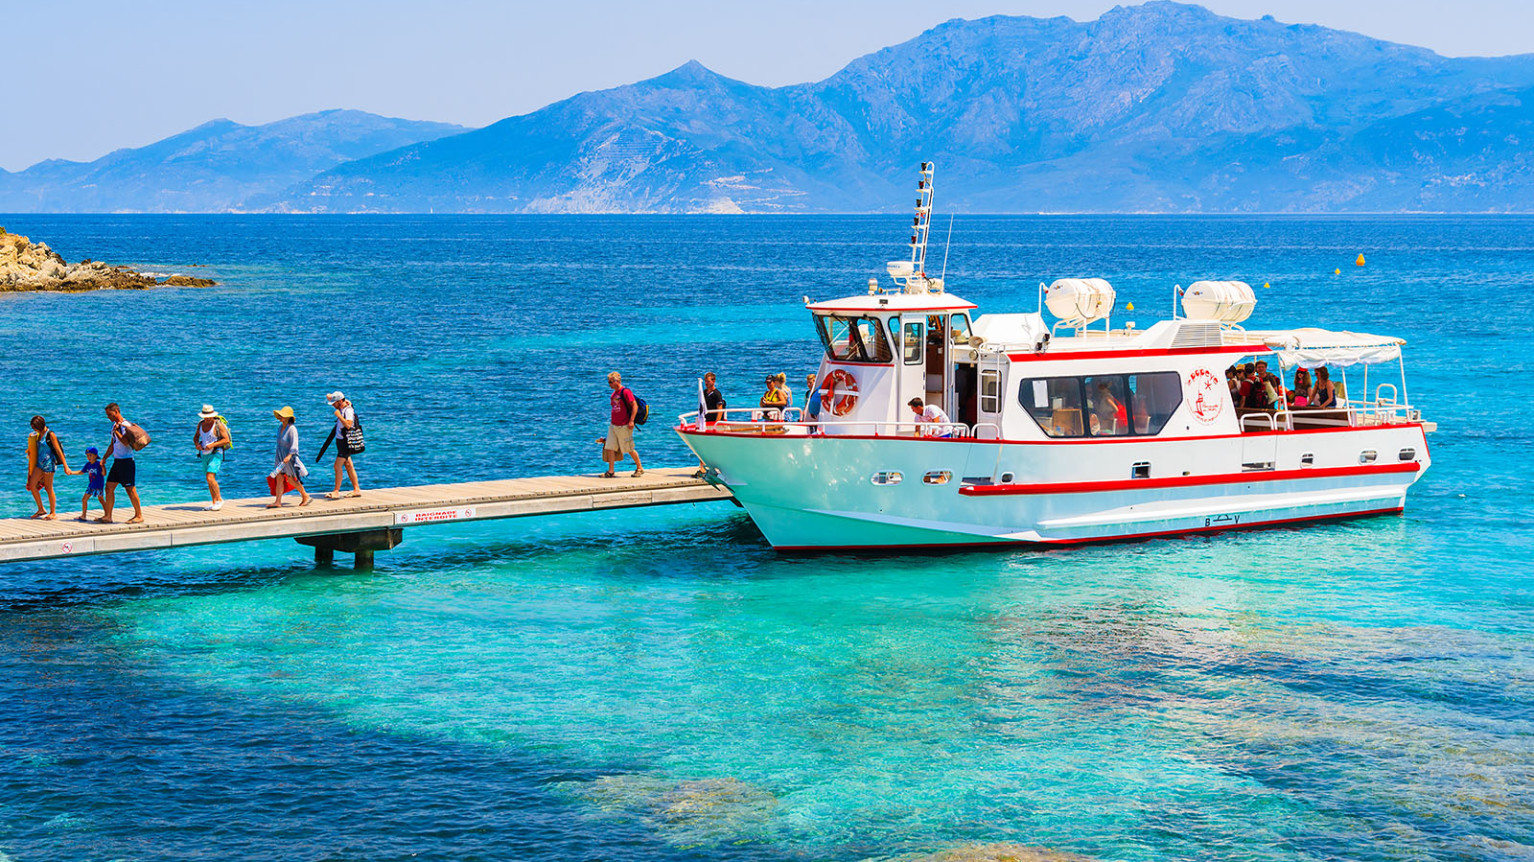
pixel 774 401
pixel 1324 395
pixel 1108 416
pixel 931 421
pixel 1299 396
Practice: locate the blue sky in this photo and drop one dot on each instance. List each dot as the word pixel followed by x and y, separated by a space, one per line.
pixel 89 77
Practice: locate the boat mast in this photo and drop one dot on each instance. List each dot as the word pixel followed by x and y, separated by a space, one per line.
pixel 922 223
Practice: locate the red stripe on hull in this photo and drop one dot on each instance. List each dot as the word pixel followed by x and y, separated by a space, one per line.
pixel 1132 537
pixel 1185 481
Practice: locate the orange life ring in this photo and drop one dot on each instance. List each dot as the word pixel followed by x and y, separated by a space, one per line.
pixel 839 405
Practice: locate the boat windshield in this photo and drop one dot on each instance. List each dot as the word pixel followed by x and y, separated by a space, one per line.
pixel 853 339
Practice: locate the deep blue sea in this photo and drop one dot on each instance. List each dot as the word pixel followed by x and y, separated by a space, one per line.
pixel 659 684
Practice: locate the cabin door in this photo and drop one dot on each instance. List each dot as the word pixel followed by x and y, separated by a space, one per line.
pixel 939 378
pixel 913 363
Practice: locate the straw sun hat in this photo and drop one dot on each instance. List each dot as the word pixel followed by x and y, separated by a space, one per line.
pixel 284 413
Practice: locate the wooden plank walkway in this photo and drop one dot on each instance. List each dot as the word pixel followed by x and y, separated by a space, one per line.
pixel 382 509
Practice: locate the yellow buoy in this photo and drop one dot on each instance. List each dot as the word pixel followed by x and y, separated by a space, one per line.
pixel 1129 307
pixel 1360 261
pixel 1337 271
pixel 1265 284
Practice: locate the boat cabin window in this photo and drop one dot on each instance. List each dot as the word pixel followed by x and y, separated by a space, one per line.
pixel 960 329
pixel 853 339
pixel 1054 403
pixel 1105 405
pixel 1153 398
pixel 913 342
pixel 990 391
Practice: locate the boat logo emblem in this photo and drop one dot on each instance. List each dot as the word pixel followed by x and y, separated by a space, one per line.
pixel 1204 395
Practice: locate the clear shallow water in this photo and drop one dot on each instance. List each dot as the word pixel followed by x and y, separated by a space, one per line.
pixel 659 684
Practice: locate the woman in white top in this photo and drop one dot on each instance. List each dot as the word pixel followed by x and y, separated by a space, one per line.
pixel 211 439
pixel 346 418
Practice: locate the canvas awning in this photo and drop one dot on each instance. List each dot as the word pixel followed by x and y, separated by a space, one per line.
pixel 1313 348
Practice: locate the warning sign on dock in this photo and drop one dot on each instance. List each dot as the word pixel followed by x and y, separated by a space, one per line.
pixel 432 516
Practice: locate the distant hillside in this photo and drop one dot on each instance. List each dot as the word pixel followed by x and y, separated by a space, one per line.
pixel 1160 107
pixel 217 166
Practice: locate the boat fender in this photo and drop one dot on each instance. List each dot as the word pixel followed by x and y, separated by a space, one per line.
pixel 839 405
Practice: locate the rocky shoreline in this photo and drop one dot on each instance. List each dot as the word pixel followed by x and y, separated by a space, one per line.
pixel 27 265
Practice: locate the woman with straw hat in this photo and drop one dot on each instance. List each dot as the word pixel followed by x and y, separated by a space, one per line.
pixel 289 471
pixel 211 439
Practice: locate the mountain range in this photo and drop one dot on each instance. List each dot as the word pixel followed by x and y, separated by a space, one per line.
pixel 217 167
pixel 1162 107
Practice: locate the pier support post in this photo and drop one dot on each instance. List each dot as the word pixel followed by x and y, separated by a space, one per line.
pixel 360 545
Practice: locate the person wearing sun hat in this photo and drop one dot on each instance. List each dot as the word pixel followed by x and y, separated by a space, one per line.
pixel 211 439
pixel 289 470
pixel 346 419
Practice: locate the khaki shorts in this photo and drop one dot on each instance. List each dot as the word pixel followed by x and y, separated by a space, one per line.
pixel 620 439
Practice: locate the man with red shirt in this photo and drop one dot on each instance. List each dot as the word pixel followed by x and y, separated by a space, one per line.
pixel 620 428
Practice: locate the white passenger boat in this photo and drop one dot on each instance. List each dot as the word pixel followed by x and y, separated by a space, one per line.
pixel 1060 433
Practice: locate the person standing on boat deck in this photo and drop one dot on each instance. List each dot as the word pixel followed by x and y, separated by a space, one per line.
pixel 124 469
pixel 44 456
pixel 289 468
pixel 620 427
pixel 774 400
pixel 346 418
pixel 712 405
pixel 211 439
pixel 931 421
pixel 788 392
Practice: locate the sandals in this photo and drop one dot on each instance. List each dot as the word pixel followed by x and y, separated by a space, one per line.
pixel 637 473
pixel 609 474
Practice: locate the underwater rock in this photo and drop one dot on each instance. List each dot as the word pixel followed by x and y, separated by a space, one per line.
pixel 695 811
pixel 998 852
pixel 27 265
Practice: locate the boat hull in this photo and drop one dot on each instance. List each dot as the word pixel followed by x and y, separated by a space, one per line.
pixel 824 493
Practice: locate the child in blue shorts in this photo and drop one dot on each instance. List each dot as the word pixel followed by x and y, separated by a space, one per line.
pixel 96 481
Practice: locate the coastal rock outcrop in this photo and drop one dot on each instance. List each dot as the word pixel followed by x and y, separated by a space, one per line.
pixel 28 265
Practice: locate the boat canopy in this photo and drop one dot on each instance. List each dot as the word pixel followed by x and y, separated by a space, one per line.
pixel 1313 348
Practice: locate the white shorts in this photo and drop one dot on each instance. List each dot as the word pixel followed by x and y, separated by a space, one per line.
pixel 620 439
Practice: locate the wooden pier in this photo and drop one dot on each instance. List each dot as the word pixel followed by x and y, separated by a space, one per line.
pixel 360 526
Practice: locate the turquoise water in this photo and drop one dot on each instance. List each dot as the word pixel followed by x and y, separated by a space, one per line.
pixel 659 684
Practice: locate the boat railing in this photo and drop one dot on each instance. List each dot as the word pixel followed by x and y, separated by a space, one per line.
pixel 1382 411
pixel 1258 422
pixel 755 420
pixel 1347 414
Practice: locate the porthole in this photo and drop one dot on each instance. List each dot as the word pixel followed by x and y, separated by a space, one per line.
pixel 1307 459
pixel 1140 470
pixel 1407 454
pixel 1006 478
pixel 1368 456
pixel 886 477
pixel 937 477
